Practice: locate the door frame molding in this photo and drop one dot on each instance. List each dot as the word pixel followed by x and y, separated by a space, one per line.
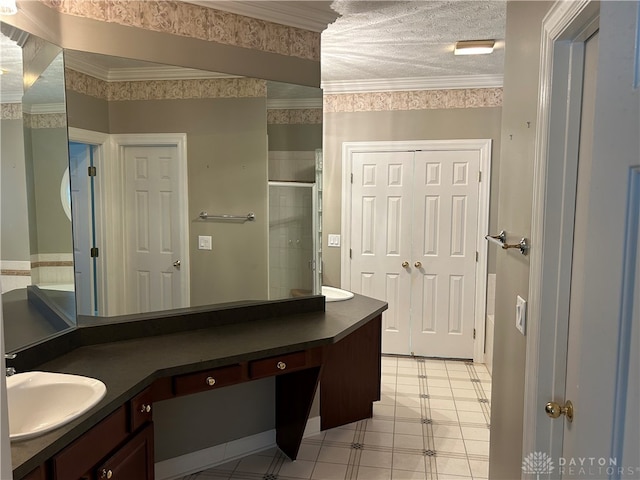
pixel 552 214
pixel 119 143
pixel 481 145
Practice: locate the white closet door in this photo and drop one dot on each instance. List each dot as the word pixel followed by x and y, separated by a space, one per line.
pixel 381 239
pixel 153 237
pixel 445 198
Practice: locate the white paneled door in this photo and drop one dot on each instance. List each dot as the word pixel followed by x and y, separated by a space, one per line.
pixel 414 223
pixel 381 239
pixel 153 243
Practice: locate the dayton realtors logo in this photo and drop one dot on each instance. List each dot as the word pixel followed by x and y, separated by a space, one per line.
pixel 537 463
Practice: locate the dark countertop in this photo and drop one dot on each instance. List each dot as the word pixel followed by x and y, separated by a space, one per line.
pixel 127 367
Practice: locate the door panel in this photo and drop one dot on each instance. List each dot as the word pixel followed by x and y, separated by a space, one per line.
pixel 81 198
pixel 154 244
pixel 445 191
pixel 419 208
pixel 381 239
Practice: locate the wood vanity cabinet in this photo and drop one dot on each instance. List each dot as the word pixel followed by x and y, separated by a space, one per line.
pixel 132 461
pixel 119 447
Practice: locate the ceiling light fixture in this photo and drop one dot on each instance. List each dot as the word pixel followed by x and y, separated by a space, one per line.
pixel 8 7
pixel 474 47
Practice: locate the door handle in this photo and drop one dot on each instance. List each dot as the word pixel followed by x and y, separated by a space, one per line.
pixel 405 264
pixel 177 264
pixel 554 410
pixel 417 265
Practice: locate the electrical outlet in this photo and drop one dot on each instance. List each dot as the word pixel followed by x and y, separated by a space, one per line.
pixel 521 314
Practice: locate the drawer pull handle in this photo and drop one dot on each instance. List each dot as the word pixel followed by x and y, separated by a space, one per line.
pixel 145 408
pixel 211 381
pixel 281 365
pixel 106 474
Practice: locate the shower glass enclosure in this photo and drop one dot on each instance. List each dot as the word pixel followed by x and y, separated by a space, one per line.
pixel 295 232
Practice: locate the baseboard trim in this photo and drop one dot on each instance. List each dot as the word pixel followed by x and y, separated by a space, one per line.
pixel 194 462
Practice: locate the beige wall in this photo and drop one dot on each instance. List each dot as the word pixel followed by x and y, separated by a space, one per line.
pixel 14 215
pixel 437 124
pixel 520 96
pixel 50 160
pixel 227 173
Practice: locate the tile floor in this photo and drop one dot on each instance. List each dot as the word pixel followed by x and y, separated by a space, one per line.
pixel 432 422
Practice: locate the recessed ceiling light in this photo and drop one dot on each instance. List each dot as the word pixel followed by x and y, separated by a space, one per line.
pixel 474 47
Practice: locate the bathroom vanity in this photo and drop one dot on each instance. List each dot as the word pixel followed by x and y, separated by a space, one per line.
pixel 301 343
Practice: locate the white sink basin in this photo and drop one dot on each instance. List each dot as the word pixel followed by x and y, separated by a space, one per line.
pixel 42 401
pixel 334 294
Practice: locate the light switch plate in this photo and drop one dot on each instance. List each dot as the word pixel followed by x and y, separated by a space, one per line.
pixel 521 314
pixel 204 242
pixel 334 240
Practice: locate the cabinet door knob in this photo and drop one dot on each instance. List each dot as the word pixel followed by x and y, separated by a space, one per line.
pixel 145 408
pixel 211 381
pixel 106 474
pixel 281 365
pixel 405 264
pixel 417 265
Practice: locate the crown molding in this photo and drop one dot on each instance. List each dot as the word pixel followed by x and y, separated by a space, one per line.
pixel 140 73
pixel 293 103
pixel 308 15
pixel 415 83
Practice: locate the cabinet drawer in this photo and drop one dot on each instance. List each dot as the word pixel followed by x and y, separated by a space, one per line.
pixel 207 380
pixel 277 365
pixel 83 454
pixel 140 409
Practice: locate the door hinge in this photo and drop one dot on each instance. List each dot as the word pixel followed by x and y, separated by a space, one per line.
pixel 92 171
pixel 479 176
pixel 352 178
pixel 476 256
pixel 350 253
pixel 94 252
pixel 474 333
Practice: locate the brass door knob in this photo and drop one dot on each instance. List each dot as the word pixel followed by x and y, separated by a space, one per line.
pixel 281 365
pixel 177 264
pixel 211 381
pixel 405 264
pixel 106 474
pixel 145 408
pixel 554 410
pixel 417 265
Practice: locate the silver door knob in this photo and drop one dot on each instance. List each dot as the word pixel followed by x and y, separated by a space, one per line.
pixel 177 264
pixel 405 264
pixel 417 265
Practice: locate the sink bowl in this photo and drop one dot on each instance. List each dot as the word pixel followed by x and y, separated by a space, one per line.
pixel 334 294
pixel 43 401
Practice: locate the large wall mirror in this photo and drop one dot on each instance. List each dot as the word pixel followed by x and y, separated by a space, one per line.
pixel 37 250
pixel 151 147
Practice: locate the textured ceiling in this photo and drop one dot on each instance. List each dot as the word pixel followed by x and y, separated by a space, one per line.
pixel 410 39
pixel 370 41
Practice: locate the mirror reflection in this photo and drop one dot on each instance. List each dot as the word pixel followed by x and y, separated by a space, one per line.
pixel 37 254
pixel 168 144
pixel 142 151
